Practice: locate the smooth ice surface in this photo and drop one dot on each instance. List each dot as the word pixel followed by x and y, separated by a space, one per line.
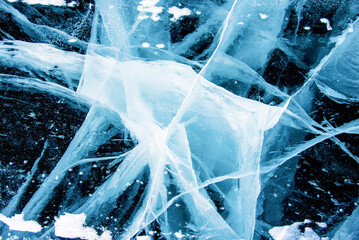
pixel 175 115
pixel 185 134
pixel 339 71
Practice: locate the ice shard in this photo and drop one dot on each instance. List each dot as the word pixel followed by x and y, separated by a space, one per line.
pixel 153 119
pixel 338 74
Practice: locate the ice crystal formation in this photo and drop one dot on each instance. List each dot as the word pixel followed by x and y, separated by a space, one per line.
pixel 176 119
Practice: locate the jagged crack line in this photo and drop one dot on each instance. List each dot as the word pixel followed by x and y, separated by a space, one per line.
pixel 323 62
pixel 116 159
pixel 15 200
pixel 341 144
pixel 174 121
pixel 346 128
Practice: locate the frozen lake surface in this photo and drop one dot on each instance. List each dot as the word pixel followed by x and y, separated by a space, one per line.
pixel 167 119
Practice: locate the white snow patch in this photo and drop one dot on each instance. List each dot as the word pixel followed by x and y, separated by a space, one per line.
pixel 149 6
pixel 145 45
pixel 143 238
pixel 73 226
pixel 43 2
pixel 263 15
pixel 149 3
pixel 161 45
pixel 71 4
pixel 292 232
pixel 322 224
pixel 179 235
pixel 327 22
pixel 178 12
pixel 17 223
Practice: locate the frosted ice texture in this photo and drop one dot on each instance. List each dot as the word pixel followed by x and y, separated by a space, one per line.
pixel 200 150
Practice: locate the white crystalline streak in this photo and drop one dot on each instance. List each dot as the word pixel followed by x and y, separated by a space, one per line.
pixel 350 228
pixel 73 226
pixel 147 95
pixel 18 223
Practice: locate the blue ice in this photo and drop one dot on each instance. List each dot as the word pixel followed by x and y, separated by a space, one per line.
pixel 202 153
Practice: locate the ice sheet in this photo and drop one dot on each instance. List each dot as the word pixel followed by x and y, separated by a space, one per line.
pixel 185 81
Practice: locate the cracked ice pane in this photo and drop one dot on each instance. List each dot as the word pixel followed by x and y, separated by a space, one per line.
pixel 149 119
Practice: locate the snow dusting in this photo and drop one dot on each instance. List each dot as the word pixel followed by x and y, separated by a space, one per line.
pixel 73 226
pixel 292 232
pixel 178 12
pixel 18 223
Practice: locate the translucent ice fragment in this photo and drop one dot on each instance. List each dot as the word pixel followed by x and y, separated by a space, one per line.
pixel 256 35
pixel 337 75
